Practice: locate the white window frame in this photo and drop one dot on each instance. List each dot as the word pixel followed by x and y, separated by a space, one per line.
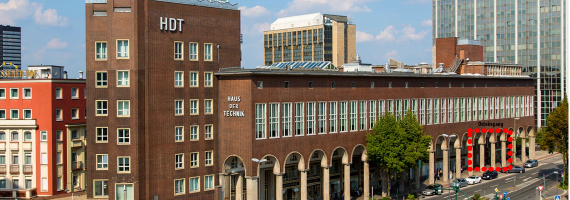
pixel 208 106
pixel 179 187
pixel 121 136
pixel 462 109
pixel 17 96
pixel 194 53
pixel 274 113
pixel 104 184
pixel 59 114
pixel 197 184
pixel 209 186
pixel 436 115
pixel 179 133
pixel 208 131
pixel 208 51
pixel 123 82
pixel 76 91
pixel 194 133
pixel 103 165
pixel 24 114
pixel 101 134
pixel 3 93
pixel 422 111
pixel 443 102
pixel 101 106
pixel 194 106
pixel 209 158
pixel 311 125
pixel 194 79
pixel 299 119
pixel 179 79
pixel 208 79
pixel 122 52
pixel 429 112
pixel 333 116
pixel 363 114
pixel 179 161
pixel 353 116
pixel 178 50
pixel 381 107
pixel 125 168
pixel 125 111
pixel 24 96
pixel 101 79
pixel 179 107
pixel 76 115
pixel 371 113
pixel 100 50
pixel 260 119
pixel 194 159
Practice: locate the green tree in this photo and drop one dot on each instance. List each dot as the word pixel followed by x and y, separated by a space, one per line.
pixel 554 137
pixel 417 142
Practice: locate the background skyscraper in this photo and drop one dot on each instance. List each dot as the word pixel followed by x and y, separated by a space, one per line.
pixel 527 32
pixel 10 46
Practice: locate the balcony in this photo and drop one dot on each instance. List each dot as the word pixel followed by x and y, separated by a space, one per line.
pixel 14 146
pixel 27 146
pixel 28 169
pixel 77 165
pixel 76 143
pixel 2 169
pixel 14 169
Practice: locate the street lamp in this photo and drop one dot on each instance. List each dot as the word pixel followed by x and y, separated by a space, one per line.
pixel 448 168
pixel 259 175
pixel 515 140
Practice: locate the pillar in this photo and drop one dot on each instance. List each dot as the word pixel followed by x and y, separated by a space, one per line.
pixel 385 180
pixel 445 165
pixel 252 187
pixel 503 153
pixel 326 183
pixel 482 156
pixel 239 188
pixel 514 150
pixel 417 175
pixel 523 148
pixel 457 173
pixel 531 148
pixel 431 167
pixel 279 186
pixel 493 156
pixel 225 182
pixel 303 184
pixel 347 181
pixel 366 185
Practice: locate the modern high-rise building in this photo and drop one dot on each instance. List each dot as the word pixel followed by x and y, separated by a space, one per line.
pixel 526 32
pixel 311 37
pixel 10 46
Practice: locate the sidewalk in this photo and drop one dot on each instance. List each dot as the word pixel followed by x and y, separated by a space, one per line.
pixel 77 196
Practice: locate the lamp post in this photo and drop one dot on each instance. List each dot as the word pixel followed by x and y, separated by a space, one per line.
pixel 515 140
pixel 259 174
pixel 448 168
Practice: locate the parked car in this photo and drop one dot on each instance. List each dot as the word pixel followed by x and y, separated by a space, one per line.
pixel 460 182
pixel 488 175
pixel 473 180
pixel 516 169
pixel 432 190
pixel 531 163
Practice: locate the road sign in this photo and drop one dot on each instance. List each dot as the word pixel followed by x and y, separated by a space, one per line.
pixel 509 198
pixel 496 190
pixel 505 194
pixel 540 187
pixel 500 196
pixel 557 197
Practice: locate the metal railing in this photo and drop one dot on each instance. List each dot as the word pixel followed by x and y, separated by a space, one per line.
pixel 28 169
pixel 76 165
pixel 14 169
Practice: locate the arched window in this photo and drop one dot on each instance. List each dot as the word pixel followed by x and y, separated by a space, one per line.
pixel 2 136
pixel 27 136
pixel 14 136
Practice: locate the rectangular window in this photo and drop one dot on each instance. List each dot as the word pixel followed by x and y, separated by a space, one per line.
pixel 179 133
pixel 194 184
pixel 209 158
pixel 27 114
pixel 123 79
pixel 194 131
pixel 44 184
pixel 74 93
pixel 521 106
pixel 513 113
pixel 208 106
pixel 58 93
pixel 28 159
pixel 74 113
pixel 531 106
pixel 123 135
pixel 28 93
pixel 398 109
pixel 16 160
pixel 13 93
pixel 456 110
pixel 178 107
pixel 497 108
pixel 481 107
pixel 450 110
pixel 405 107
pixel 100 188
pixel 122 49
pixel 363 115
pixel 422 111
pixel 502 104
pixel 507 107
pixel 299 119
pixel 123 108
pixel 353 115
pixel 436 105
pixel 491 107
pixel 208 79
pixel 208 135
pixel 193 79
pixel 101 134
pixel 194 158
pixel 178 50
pixel 273 120
pixel 193 51
pixel 101 107
pixel 102 161
pixel 58 114
pixel 260 121
pixel 27 136
pixel 209 182
pixel 332 116
pixel 178 79
pixel 2 93
pixel 2 114
pixel 179 186
pixel 194 107
pixel 29 184
pixel 100 50
pixel 124 165
pixel 286 119
pixel 2 184
pixel 371 113
pixel 207 52
pixel 100 80
pixel 462 109
pixel 310 118
pixel 179 161
pixel 322 117
pixel 475 104
pixel 429 111
pixel 390 106
pixel 343 116
pixel 381 107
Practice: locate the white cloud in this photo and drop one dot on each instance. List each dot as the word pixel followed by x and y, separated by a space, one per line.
pixel 426 22
pixel 333 6
pixel 390 54
pixel 409 33
pixel 56 43
pixel 14 10
pixel 363 37
pixel 49 17
pixel 387 34
pixel 255 11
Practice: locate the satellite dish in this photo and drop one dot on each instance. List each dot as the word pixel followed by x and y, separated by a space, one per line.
pixel 54 73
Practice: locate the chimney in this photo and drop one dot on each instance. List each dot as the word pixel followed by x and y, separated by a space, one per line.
pixel 387 68
pixel 80 74
pixel 440 65
pixel 64 74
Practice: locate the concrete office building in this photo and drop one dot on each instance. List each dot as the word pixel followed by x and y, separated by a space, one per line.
pixel 311 37
pixel 528 32
pixel 152 95
pixel 10 46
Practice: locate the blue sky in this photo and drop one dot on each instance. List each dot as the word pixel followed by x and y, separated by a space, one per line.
pixel 53 31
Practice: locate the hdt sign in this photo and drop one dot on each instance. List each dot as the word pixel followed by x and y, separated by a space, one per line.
pixel 170 24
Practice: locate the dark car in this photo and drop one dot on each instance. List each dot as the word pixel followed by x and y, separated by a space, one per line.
pixel 432 190
pixel 531 163
pixel 488 175
pixel 516 169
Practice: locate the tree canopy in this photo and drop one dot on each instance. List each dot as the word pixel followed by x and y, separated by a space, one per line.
pixel 554 137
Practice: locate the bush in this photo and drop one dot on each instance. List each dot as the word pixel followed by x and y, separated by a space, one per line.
pixel 477 196
pixel 411 197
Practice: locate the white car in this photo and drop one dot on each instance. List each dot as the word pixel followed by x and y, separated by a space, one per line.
pixel 473 180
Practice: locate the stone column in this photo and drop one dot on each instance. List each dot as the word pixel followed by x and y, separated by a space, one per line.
pixel 503 153
pixel 531 148
pixel 303 184
pixel 326 183
pixel 347 181
pixel 457 173
pixel 431 167
pixel 225 182
pixel 482 156
pixel 514 150
pixel 252 187
pixel 366 185
pixel 523 148
pixel 239 188
pixel 279 186
pixel 445 165
pixel 493 156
